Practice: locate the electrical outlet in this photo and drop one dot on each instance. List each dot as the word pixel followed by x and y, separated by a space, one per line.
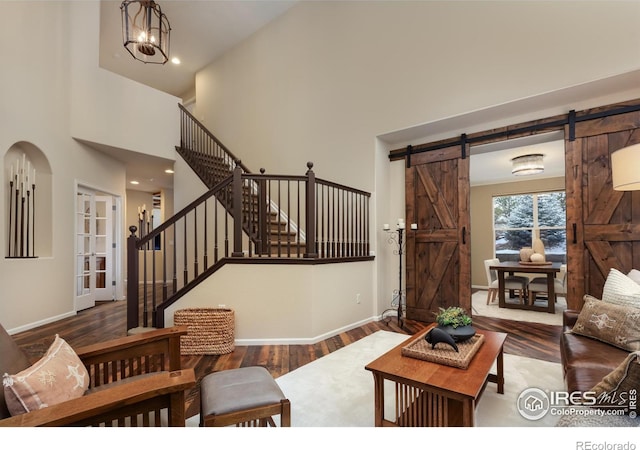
pixel 358 298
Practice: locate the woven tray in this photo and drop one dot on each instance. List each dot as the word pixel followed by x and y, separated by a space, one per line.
pixel 210 331
pixel 444 354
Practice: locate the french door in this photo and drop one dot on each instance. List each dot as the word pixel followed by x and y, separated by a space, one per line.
pixel 94 248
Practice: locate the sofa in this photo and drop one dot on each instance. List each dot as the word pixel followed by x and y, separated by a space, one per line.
pixel 585 360
pixel 600 353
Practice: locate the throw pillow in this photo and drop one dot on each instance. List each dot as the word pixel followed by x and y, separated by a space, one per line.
pixel 621 290
pixel 57 377
pixel 615 390
pixel 634 274
pixel 607 322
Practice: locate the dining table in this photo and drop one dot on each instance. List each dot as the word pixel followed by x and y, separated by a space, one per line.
pixel 550 269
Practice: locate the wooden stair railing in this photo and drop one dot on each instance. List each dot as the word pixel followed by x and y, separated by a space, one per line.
pixel 244 217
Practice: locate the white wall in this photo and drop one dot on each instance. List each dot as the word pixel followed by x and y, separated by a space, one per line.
pixel 112 110
pixel 53 91
pixel 323 81
pixel 295 304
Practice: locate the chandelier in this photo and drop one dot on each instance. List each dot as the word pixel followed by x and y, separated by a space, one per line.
pixel 145 31
pixel 527 165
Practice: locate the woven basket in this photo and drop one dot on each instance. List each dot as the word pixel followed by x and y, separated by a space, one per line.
pixel 210 331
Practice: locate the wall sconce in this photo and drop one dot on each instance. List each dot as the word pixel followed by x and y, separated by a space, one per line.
pixel 625 168
pixel 527 164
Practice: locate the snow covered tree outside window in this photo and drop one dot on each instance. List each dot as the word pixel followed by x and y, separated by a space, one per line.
pixel 518 219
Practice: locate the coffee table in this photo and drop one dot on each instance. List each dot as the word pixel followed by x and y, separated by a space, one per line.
pixel 431 394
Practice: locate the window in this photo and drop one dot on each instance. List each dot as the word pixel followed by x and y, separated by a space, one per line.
pixel 518 219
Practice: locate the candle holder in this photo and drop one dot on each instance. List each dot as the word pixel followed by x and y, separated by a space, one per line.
pixel 396 238
pixel 22 210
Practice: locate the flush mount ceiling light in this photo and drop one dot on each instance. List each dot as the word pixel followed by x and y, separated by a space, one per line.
pixel 625 168
pixel 527 164
pixel 145 31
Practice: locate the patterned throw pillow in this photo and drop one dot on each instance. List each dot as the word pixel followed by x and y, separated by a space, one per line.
pixel 615 390
pixel 57 377
pixel 607 322
pixel 621 290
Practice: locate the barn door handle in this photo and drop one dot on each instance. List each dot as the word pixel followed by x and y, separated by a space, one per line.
pixel 575 234
pixel 464 235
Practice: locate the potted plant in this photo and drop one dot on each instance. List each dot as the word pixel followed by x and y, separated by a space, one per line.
pixel 455 321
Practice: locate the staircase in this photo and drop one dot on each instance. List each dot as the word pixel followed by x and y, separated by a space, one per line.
pixel 213 162
pixel 243 218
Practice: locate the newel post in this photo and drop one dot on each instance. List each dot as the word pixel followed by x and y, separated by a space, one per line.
pixel 237 210
pixel 132 279
pixel 263 208
pixel 310 216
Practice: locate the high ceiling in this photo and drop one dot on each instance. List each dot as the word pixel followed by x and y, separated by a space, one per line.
pixel 201 31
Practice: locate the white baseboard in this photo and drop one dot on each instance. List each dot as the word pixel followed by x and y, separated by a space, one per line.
pixel 305 341
pixel 39 323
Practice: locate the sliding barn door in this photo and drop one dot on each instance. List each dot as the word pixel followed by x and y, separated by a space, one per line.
pixel 603 225
pixel 438 252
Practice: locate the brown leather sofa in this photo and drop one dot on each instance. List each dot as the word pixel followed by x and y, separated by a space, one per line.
pixel 585 361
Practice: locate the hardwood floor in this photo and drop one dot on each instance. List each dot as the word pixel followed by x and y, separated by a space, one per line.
pixel 108 320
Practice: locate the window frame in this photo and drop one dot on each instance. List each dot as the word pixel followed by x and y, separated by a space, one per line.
pixel 535 228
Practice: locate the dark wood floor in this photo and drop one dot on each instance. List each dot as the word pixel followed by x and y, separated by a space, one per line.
pixel 108 320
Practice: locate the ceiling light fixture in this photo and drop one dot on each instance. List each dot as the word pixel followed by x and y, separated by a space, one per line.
pixel 625 168
pixel 145 31
pixel 527 164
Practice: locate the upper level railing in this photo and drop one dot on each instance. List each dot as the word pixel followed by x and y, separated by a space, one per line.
pixel 207 156
pixel 244 217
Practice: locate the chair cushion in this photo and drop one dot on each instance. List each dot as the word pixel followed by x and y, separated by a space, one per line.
pixel 57 377
pixel 238 389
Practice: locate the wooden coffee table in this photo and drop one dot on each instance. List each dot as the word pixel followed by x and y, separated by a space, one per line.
pixel 435 395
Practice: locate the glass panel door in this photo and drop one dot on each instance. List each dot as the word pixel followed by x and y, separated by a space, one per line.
pixel 103 248
pixel 94 249
pixel 85 263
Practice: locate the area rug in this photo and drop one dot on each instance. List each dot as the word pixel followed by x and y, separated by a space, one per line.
pixel 480 308
pixel 337 391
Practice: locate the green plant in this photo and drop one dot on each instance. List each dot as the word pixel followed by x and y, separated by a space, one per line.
pixel 453 316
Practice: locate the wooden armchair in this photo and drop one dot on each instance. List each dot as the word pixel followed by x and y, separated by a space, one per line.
pixel 135 381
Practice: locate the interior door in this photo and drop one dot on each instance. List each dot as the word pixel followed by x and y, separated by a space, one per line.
pixel 602 224
pixel 438 252
pixel 94 249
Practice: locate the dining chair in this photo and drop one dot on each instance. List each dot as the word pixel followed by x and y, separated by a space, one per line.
pixel 511 282
pixel 539 285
